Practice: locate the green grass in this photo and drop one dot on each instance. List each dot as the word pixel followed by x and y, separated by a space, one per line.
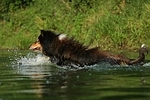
pixel 111 25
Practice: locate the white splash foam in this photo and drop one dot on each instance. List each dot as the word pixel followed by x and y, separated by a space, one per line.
pixel 147 64
pixel 32 59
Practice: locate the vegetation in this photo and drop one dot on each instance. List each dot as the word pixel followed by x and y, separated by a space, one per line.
pixel 109 24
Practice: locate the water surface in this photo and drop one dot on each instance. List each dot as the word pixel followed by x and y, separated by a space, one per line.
pixel 29 76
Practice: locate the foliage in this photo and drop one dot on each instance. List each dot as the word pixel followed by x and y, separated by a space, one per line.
pixel 113 24
pixel 12 5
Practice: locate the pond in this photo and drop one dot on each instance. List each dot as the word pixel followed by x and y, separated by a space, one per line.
pixel 25 75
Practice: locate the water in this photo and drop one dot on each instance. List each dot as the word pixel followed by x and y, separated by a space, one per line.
pixel 29 76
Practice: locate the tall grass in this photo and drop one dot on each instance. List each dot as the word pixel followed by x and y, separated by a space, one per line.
pixel 109 24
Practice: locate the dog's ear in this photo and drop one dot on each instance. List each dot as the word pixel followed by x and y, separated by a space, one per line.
pixel 41 36
pixel 61 37
pixel 42 33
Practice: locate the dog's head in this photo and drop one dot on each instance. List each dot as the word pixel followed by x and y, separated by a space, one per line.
pixel 45 39
pixel 36 46
pixel 47 36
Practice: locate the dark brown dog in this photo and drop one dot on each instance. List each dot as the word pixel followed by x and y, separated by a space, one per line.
pixel 64 51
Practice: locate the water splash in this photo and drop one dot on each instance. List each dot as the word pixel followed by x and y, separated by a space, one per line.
pixel 32 64
pixel 147 64
pixel 31 59
pixel 34 59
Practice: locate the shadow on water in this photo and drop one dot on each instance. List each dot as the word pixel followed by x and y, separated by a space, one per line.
pixel 25 75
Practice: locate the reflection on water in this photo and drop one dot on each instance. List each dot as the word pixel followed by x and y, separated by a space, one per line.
pixel 25 75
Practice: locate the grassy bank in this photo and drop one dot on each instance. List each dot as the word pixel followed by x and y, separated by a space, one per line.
pixel 109 24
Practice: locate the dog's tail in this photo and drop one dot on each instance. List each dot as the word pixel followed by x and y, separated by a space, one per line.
pixel 142 52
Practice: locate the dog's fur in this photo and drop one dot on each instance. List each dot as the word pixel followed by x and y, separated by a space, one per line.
pixel 63 51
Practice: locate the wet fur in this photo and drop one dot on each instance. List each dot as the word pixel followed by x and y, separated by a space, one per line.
pixel 65 51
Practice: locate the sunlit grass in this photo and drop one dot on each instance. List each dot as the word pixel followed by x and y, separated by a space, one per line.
pixel 111 25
